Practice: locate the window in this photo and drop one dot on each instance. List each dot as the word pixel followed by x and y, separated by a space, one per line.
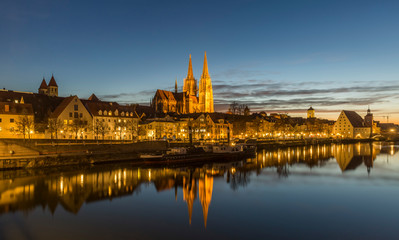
pixel 75 107
pixel 70 121
pixel 6 108
pixel 70 114
pixel 11 120
pixel 81 115
pixel 0 119
pixel 75 115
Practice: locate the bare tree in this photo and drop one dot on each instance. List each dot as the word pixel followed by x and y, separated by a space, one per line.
pixel 25 125
pixel 53 126
pixel 100 128
pixel 79 125
pixel 234 107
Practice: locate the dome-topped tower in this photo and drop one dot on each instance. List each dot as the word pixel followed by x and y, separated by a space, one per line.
pixel 311 112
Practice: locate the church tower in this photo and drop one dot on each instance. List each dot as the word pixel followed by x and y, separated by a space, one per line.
pixel 368 121
pixel 310 112
pixel 43 87
pixel 52 89
pixel 205 90
pixel 190 84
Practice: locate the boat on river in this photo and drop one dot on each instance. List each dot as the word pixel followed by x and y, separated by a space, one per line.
pixel 202 153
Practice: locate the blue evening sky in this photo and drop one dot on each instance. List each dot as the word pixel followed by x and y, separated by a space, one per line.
pixel 278 56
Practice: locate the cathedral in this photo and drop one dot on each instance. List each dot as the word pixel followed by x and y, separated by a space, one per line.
pixel 192 99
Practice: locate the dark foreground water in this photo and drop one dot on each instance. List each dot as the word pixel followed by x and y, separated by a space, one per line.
pixel 325 192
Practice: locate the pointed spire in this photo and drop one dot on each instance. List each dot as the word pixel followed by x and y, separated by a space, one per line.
pixel 190 74
pixel 22 100
pixel 43 85
pixel 52 82
pixel 205 72
pixel 176 86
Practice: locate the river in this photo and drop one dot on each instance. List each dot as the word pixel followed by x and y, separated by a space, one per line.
pixel 339 191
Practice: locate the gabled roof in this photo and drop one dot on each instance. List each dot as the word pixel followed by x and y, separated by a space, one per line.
pixel 16 108
pixel 355 119
pixel 95 106
pixel 93 97
pixel 146 110
pixel 43 85
pixel 179 96
pixel 165 95
pixel 42 104
pixel 61 107
pixel 52 82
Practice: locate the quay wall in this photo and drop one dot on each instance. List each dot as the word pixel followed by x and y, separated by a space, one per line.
pixel 39 154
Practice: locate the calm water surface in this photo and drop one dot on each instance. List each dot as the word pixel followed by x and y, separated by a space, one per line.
pixel 324 192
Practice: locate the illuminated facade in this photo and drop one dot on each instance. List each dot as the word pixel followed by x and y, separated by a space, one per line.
pixel 187 101
pixel 16 120
pixel 351 125
pixel 73 120
pixel 112 121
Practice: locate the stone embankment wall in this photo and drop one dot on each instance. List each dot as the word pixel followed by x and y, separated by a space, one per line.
pixel 31 154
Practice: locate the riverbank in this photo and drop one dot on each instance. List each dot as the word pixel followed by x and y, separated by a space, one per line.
pixel 41 154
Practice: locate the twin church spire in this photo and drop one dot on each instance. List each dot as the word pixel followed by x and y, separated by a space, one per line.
pixel 205 98
pixel 195 98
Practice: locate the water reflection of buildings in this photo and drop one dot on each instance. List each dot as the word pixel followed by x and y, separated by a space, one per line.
pixel 72 190
pixel 348 157
pixel 25 191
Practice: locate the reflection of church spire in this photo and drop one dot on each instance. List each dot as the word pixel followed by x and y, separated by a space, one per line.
pixel 189 195
pixel 205 195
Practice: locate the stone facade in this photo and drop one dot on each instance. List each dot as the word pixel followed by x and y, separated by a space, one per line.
pixel 187 101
